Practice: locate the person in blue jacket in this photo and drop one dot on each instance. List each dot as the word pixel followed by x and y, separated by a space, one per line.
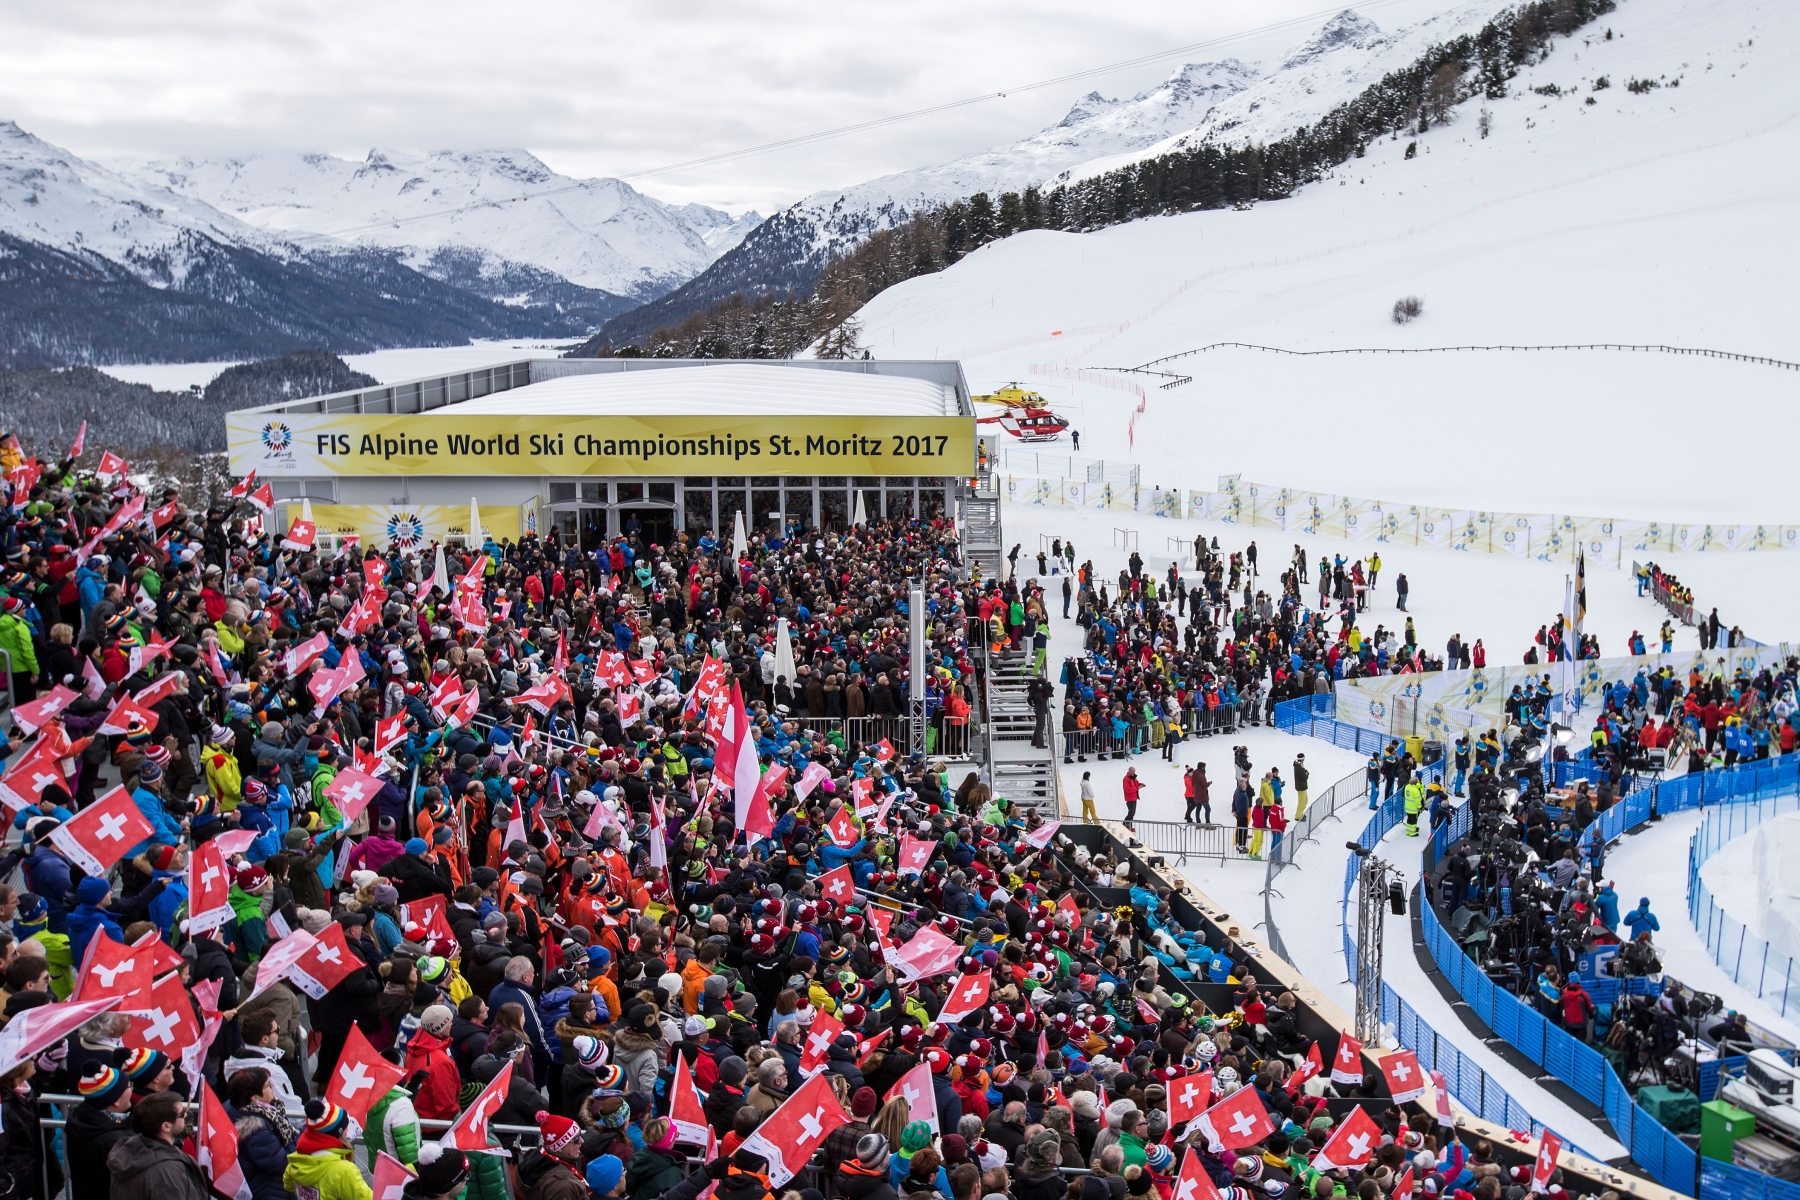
pixel 94 895
pixel 51 805
pixel 148 798
pixel 1608 902
pixel 47 875
pixel 1641 919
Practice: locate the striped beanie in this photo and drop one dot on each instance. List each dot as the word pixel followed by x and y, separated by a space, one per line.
pixel 324 1117
pixel 608 1078
pixel 142 1065
pixel 102 1085
pixel 591 1051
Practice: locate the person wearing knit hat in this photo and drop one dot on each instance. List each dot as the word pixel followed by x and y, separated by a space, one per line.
pixel 96 1125
pixel 321 1164
pixel 552 1171
pixel 93 896
pixel 606 1176
pixel 863 1103
pixel 442 1172
pixel 149 1071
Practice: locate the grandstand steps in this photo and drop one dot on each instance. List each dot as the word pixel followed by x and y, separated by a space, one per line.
pixel 1020 772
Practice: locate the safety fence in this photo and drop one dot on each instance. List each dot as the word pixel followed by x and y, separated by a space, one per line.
pixel 944 737
pixel 1713 1072
pixel 1679 608
pixel 1104 740
pixel 1750 961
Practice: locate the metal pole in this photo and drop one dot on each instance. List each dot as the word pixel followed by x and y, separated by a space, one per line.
pixel 916 641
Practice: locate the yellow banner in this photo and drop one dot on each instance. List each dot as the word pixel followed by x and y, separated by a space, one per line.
pixel 312 444
pixel 407 528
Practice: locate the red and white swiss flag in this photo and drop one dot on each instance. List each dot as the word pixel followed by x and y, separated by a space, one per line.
pixel 1040 837
pixel 862 795
pixel 1314 1065
pixel 967 995
pixel 916 1088
pixel 112 968
pixel 1237 1121
pixel 112 464
pixel 471 1129
pixel 842 829
pixel 884 750
pixel 126 716
pixel 928 953
pixel 1441 1086
pixel 163 1018
pixel 800 1126
pixel 99 835
pixel 361 1077
pixel 78 443
pixel 389 732
pixel 391 1177
pixel 1405 1081
pixel 1549 1150
pixel 1352 1144
pixel 242 487
pixel 34 715
pixel 685 1107
pixel 1193 1183
pixel 838 885
pixel 464 715
pixel 263 499
pixel 812 777
pixel 1403 1189
pixel 279 959
pixel 351 792
pixel 817 1043
pixel 915 853
pixel 546 695
pixel 302 656
pixel 38 769
pixel 209 890
pixel 216 1148
pixel 322 965
pixel 168 512
pixel 1189 1097
pixel 1347 1066
pixel 431 916
pixel 166 684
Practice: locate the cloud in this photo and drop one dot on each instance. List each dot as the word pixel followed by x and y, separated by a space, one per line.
pixel 593 89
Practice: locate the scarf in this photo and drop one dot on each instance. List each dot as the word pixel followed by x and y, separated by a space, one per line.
pixel 275 1115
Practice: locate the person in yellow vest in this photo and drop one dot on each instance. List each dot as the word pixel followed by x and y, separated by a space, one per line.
pixel 223 777
pixel 1415 802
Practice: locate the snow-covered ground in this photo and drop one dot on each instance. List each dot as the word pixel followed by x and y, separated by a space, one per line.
pixel 387 366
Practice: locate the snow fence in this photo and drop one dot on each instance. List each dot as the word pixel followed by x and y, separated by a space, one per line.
pixel 1747 958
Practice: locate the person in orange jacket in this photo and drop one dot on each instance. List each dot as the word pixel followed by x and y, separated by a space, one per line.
pixel 428 1052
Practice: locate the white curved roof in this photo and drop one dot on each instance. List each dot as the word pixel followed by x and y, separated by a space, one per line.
pixel 729 389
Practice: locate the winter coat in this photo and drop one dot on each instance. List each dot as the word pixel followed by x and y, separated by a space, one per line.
pixel 47 874
pixel 543 1177
pixel 267 1058
pixel 640 1057
pixel 651 1173
pixel 397 1123
pixel 83 923
pixel 262 1155
pixel 327 1175
pixel 414 878
pixel 90 1135
pixel 150 1169
pixel 437 1097
pixel 722 1105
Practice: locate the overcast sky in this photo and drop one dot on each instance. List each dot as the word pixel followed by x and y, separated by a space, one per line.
pixel 599 89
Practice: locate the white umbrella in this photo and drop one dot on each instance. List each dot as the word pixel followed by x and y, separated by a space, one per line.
pixel 860 516
pixel 305 509
pixel 784 651
pixel 474 538
pixel 440 578
pixel 740 541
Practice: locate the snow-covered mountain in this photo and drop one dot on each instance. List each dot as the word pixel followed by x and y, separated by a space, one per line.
pixel 493 210
pixel 789 251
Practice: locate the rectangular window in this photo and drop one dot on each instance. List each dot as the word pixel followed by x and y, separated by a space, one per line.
pixel 561 493
pixel 662 491
pixel 697 481
pixel 628 490
pixel 766 481
pixel 697 503
pixel 593 493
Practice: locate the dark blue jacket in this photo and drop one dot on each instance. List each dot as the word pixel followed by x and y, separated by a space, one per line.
pixel 47 874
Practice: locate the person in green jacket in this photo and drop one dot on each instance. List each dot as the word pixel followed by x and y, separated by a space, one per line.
pixel 1414 795
pixel 250 886
pixel 1131 1139
pixel 320 1168
pixel 16 640
pixel 393 1120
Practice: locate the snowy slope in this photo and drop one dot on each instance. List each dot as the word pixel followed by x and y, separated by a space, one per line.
pixel 1662 217
pixel 598 233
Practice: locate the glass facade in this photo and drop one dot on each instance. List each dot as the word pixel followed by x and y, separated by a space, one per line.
pixel 593 510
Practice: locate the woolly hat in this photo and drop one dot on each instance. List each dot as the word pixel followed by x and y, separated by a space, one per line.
pixel 1161 1158
pixel 416 846
pixel 442 1171
pixel 872 1149
pixel 92 890
pixel 324 1117
pixel 862 1104
pixel 915 1137
pixel 591 1052
pixel 604 1174
pixel 142 1066
pixel 1044 1148
pixel 436 1020
pixel 102 1085
pixel 733 1070
pixel 558 1132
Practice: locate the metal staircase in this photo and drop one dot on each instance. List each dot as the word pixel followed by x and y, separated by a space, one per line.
pixel 1021 772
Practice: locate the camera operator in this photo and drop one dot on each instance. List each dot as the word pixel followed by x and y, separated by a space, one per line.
pixel 1638 956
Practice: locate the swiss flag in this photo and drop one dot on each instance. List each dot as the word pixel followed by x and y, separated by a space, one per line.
pixel 361 1077
pixel 216 1148
pixel 164 685
pixel 967 995
pixel 1549 1150
pixel 471 1129
pixel 1441 1086
pixel 324 963
pixel 916 1088
pixel 928 953
pixel 1040 837
pixel 163 1019
pixel 35 715
pixel 642 671
pixel 1193 1183
pixel 429 915
pixel 1347 1067
pixel 838 884
pixel 1066 904
pixel 128 715
pixel 842 828
pixel 1314 1064
pixel 812 777
pixel 374 571
pixel 302 656
pixel 1189 1097
pixel 263 499
pixel 824 1031
pixel 279 959
pixel 242 487
pixel 759 819
pixel 391 1177
pixel 884 750
pixel 36 1029
pixel 389 732
pixel 168 512
pixel 546 695
pixel 80 441
pixel 611 670
pixel 209 890
pixel 1352 1144
pixel 351 792
pixel 862 794
pixel 112 464
pixel 1403 1189
pixel 99 835
pixel 21 786
pixel 1405 1080
pixel 465 712
pixel 685 1108
pixel 1237 1121
pixel 800 1126
pixel 915 853
pixel 113 969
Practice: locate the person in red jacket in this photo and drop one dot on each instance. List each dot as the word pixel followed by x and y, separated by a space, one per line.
pixel 1134 787
pixel 435 1097
pixel 1577 1009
